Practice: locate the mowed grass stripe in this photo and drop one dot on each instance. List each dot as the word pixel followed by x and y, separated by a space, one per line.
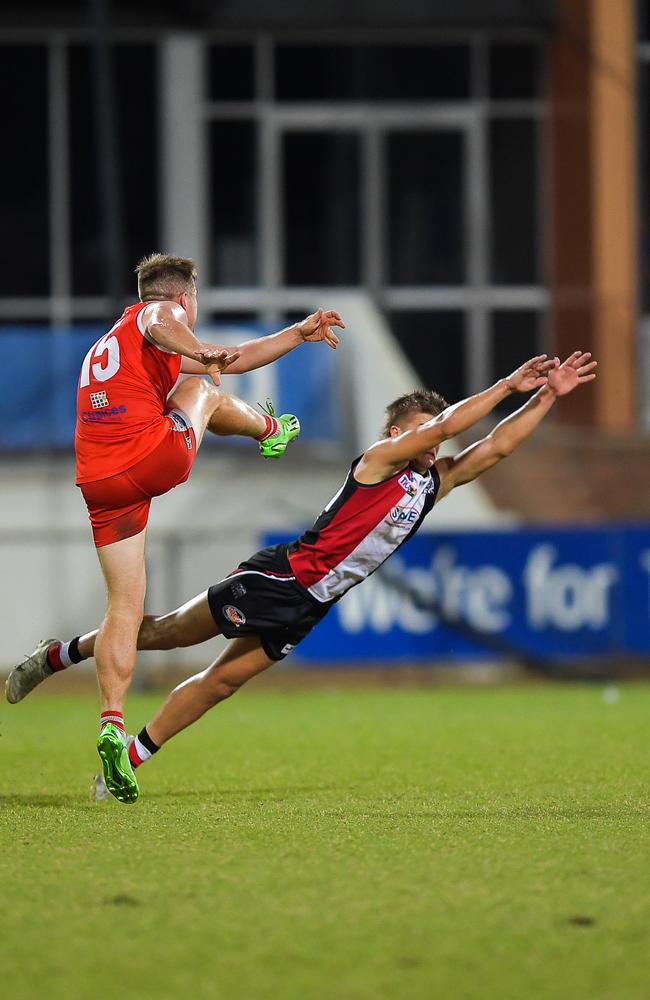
pixel 334 844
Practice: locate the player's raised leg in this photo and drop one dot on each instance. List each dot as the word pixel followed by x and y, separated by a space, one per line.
pixel 222 414
pixel 123 567
pixel 203 402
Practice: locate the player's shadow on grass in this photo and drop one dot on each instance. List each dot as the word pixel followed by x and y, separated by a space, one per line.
pixel 47 800
pixel 81 802
pixel 219 794
pixel 461 816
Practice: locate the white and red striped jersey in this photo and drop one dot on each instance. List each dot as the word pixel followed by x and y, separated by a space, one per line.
pixel 359 529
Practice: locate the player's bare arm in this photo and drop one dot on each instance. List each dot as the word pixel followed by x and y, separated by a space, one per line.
pixel 511 432
pixel 167 323
pixel 319 326
pixel 392 453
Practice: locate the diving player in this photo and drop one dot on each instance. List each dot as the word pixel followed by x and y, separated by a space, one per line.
pixel 274 599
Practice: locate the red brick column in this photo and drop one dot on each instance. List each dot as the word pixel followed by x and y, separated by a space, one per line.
pixel 594 204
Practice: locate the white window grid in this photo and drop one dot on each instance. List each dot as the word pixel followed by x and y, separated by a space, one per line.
pixel 185 112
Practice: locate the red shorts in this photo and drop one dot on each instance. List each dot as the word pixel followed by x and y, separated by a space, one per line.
pixel 119 506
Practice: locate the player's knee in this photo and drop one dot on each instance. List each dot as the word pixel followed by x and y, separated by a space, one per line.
pixel 148 634
pixel 128 598
pixel 220 688
pixel 160 633
pixel 125 612
pixel 216 401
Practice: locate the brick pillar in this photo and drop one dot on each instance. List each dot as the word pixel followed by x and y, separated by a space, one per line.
pixel 594 204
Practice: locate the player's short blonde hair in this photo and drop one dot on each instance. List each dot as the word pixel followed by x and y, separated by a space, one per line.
pixel 164 276
pixel 419 401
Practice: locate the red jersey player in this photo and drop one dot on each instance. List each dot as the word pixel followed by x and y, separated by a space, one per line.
pixel 274 599
pixel 137 436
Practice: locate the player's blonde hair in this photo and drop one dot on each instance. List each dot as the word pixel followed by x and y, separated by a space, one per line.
pixel 418 401
pixel 164 276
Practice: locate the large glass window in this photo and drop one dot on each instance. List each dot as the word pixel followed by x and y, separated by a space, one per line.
pixel 434 343
pixel 321 188
pixel 382 172
pixel 372 72
pixel 514 71
pixel 24 175
pixel 425 208
pixel 134 76
pixel 516 336
pixel 515 224
pixel 231 73
pixel 233 166
pixel 86 222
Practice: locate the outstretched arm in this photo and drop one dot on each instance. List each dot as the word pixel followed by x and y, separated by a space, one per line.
pixel 263 350
pixel 512 431
pixel 166 325
pixel 390 454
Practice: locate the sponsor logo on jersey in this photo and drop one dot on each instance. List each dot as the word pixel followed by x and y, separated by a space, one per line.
pixel 98 400
pixel 233 614
pixel 404 515
pixel 237 589
pixel 407 484
pixel 88 416
pixel 287 649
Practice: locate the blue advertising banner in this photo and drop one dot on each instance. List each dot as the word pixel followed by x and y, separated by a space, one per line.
pixel 39 372
pixel 570 592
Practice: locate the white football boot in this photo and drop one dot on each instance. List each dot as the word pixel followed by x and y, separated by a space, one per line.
pixel 29 673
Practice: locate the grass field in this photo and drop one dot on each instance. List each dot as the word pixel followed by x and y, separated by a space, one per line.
pixel 424 843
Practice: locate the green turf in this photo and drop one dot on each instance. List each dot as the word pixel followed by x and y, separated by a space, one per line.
pixel 334 844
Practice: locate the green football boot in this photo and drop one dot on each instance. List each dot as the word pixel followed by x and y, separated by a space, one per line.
pixel 276 445
pixel 118 773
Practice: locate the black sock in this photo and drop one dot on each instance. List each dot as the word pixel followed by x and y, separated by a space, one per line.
pixel 73 650
pixel 147 742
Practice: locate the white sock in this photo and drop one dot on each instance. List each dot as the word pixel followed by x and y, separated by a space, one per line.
pixel 141 750
pixel 64 654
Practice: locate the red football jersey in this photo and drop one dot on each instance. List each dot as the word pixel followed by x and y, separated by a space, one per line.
pixel 123 387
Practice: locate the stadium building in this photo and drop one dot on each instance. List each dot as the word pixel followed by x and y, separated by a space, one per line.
pixel 466 182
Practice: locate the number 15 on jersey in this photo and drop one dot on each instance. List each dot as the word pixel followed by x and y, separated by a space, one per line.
pixel 101 368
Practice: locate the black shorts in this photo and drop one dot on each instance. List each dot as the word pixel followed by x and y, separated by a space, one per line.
pixel 263 598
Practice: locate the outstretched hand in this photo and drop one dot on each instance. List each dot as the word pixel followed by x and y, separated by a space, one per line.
pixel 215 360
pixel 319 325
pixel 573 372
pixel 532 374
